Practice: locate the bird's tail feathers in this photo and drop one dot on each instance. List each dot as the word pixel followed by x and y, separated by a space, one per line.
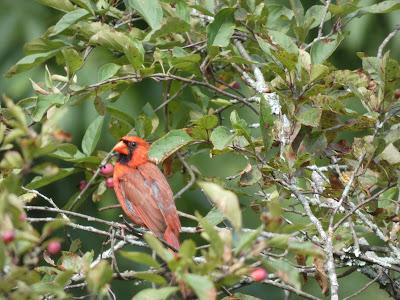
pixel 171 238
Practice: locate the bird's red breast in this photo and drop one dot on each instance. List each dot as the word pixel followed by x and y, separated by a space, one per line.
pixel 143 191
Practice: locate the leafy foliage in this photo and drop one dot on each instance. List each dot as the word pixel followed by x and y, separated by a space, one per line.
pixel 247 78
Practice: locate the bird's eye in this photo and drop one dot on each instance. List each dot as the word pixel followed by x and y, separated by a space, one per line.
pixel 132 144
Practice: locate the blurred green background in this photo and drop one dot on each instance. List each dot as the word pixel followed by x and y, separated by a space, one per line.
pixel 23 20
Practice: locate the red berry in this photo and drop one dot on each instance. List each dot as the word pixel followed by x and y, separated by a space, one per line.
pixel 8 236
pixel 258 274
pixel 236 85
pixel 397 94
pixel 107 169
pixel 110 183
pixel 82 184
pixel 54 247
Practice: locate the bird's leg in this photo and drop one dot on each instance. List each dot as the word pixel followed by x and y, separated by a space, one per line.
pixel 131 228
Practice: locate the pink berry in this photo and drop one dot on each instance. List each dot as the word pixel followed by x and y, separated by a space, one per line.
pixel 22 217
pixel 258 274
pixel 8 236
pixel 54 247
pixel 110 183
pixel 107 169
pixel 82 184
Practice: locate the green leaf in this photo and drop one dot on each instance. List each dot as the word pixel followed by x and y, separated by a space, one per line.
pixel 187 249
pixel 305 248
pixel 214 216
pixel 150 10
pixel 155 294
pixel 42 44
pixel 63 5
pixel 107 71
pixel 240 126
pixel 314 15
pixel 168 144
pixel 87 4
pixel 147 122
pixel 29 62
pixel 170 25
pixel 158 247
pixel 121 115
pixel 207 122
pixel 50 227
pixel 67 20
pixel 140 257
pixel 151 277
pixel 12 160
pixel 284 41
pixel 118 128
pixel 92 135
pixel 318 71
pixel 184 61
pixel 201 285
pixel 226 201
pixel 308 115
pixel 73 60
pixel 220 31
pixel 221 137
pixel 285 271
pixel 44 102
pixel 390 154
pixel 134 52
pixel 63 278
pixel 382 7
pixel 217 245
pixel 247 239
pixel 99 276
pixel 39 181
pixel 323 49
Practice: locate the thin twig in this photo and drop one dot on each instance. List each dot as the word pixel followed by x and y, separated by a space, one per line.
pixel 52 203
pixel 96 173
pixel 358 206
pixel 163 76
pixel 260 86
pixel 321 25
pixel 168 100
pixel 191 174
pixel 363 288
pixel 387 40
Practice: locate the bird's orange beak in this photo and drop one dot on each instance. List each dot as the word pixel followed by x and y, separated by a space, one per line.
pixel 121 148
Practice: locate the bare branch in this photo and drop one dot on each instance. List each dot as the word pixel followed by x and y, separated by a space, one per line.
pixel 321 25
pixel 386 41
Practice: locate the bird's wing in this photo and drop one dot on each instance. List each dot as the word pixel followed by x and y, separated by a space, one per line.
pixel 126 204
pixel 162 193
pixel 144 193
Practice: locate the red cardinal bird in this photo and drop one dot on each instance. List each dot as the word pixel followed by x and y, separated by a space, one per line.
pixel 143 191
